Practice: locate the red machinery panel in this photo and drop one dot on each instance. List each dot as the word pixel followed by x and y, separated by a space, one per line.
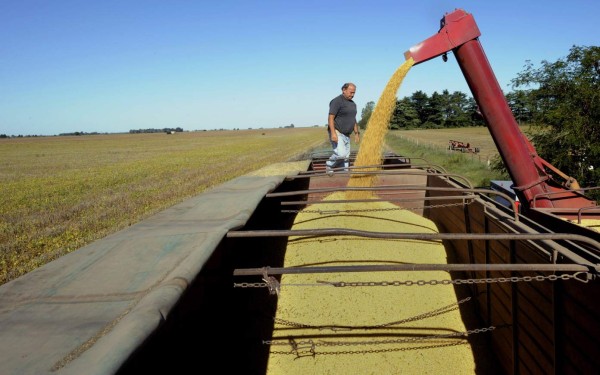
pixel 534 185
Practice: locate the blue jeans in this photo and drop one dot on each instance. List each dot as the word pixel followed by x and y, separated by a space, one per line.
pixel 341 152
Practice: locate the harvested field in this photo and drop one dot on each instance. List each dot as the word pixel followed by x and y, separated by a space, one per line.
pixel 58 194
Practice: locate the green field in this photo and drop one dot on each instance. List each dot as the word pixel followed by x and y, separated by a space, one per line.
pixel 437 139
pixel 58 194
pixel 431 146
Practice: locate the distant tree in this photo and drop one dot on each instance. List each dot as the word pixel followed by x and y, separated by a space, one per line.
pixel 521 105
pixel 405 115
pixel 420 102
pixel 457 110
pixel 435 111
pixel 565 108
pixel 366 115
pixel 474 113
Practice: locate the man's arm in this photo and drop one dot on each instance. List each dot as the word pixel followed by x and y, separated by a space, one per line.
pixel 331 123
pixel 356 133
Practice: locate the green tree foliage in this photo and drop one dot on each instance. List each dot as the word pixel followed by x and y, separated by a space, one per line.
pixel 475 116
pixel 420 102
pixel 366 115
pixel 435 111
pixel 445 110
pixel 405 115
pixel 521 105
pixel 457 110
pixel 430 112
pixel 562 100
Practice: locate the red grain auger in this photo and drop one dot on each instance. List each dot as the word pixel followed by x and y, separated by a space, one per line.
pixel 540 186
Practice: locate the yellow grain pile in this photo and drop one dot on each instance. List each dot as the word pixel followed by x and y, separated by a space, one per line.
pixel 281 169
pixel 590 223
pixel 322 329
pixel 371 147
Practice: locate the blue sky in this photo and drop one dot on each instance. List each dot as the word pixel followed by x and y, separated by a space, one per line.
pixel 111 66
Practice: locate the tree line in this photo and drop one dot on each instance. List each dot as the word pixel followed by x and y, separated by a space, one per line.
pixel 421 111
pixel 560 101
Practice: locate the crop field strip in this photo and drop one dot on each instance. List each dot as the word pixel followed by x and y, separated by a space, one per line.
pixel 438 139
pixel 58 194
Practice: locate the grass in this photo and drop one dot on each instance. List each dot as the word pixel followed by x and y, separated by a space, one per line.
pixel 431 146
pixel 58 194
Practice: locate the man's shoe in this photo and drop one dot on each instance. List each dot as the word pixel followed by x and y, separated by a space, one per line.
pixel 328 170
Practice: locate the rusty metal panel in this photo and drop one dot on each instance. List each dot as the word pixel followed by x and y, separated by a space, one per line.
pixel 568 344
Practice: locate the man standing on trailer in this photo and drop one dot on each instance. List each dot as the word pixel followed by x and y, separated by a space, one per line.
pixel 340 124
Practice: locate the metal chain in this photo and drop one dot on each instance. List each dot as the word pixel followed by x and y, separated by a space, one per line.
pixel 579 276
pixel 410 339
pixel 513 279
pixel 329 212
pixel 442 310
pixel 295 345
pixel 313 353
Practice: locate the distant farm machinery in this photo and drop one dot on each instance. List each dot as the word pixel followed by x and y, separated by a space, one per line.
pixel 462 147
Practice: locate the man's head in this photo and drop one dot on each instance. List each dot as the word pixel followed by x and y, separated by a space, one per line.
pixel 348 90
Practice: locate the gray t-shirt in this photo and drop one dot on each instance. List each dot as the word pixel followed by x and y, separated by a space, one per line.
pixel 344 111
